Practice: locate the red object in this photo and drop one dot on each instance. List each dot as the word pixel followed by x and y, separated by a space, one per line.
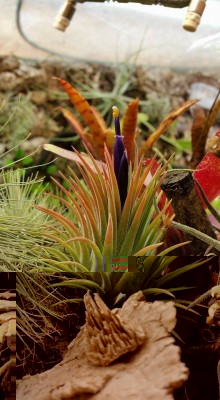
pixel 207 174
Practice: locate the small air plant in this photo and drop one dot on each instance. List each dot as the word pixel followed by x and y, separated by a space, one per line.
pixel 113 208
pixel 113 213
pixel 116 209
pixel 97 136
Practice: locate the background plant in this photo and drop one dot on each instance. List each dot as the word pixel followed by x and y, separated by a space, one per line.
pixel 17 117
pixel 21 242
pixel 122 93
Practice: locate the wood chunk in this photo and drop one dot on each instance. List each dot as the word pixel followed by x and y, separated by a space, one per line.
pixel 152 372
pixel 107 336
pixel 7 305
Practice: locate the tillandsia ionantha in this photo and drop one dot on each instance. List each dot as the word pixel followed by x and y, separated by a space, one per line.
pixel 97 136
pixel 110 211
pixel 113 214
pixel 113 209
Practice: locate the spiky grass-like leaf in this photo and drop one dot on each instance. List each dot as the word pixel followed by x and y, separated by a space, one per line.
pixel 100 227
pixel 21 227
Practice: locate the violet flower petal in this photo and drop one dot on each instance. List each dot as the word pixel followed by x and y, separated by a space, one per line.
pixel 122 179
pixel 119 150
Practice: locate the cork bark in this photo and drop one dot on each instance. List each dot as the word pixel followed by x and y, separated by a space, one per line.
pixel 125 353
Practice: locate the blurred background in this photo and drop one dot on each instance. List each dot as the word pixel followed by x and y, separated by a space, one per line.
pixel 112 32
pixel 111 52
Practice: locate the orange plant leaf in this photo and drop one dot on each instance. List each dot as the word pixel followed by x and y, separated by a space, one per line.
pixel 110 139
pixel 90 117
pixel 129 128
pixel 99 118
pixel 78 128
pixel 148 144
pixel 108 132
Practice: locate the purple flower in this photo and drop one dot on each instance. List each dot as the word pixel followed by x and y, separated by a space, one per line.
pixel 120 159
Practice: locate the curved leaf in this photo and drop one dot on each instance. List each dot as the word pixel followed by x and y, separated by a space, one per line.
pixel 84 284
pixel 129 128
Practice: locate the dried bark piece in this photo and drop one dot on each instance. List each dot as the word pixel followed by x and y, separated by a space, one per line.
pixel 7 316
pixel 7 295
pixel 214 311
pixel 7 343
pixel 152 372
pixel 107 336
pixel 6 305
pixel 3 330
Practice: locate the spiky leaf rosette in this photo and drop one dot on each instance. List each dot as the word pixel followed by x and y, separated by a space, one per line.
pixel 101 226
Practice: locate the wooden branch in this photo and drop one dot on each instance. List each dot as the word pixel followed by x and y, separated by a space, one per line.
pixel 188 208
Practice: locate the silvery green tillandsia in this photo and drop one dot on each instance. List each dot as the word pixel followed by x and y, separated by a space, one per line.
pixel 22 248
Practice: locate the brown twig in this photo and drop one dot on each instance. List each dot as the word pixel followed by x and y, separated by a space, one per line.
pixel 188 208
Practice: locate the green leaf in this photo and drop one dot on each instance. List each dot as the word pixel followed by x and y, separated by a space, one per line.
pixel 165 262
pixel 20 153
pixel 27 161
pixel 157 291
pixel 51 169
pixel 171 248
pixel 84 284
pixel 129 283
pixel 180 271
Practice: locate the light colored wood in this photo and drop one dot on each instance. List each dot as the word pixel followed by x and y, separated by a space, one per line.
pixel 151 372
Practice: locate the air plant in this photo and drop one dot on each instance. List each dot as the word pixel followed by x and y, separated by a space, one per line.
pixel 114 214
pixel 21 243
pixel 22 248
pixel 17 117
pixel 98 135
pixel 115 209
pixel 111 211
